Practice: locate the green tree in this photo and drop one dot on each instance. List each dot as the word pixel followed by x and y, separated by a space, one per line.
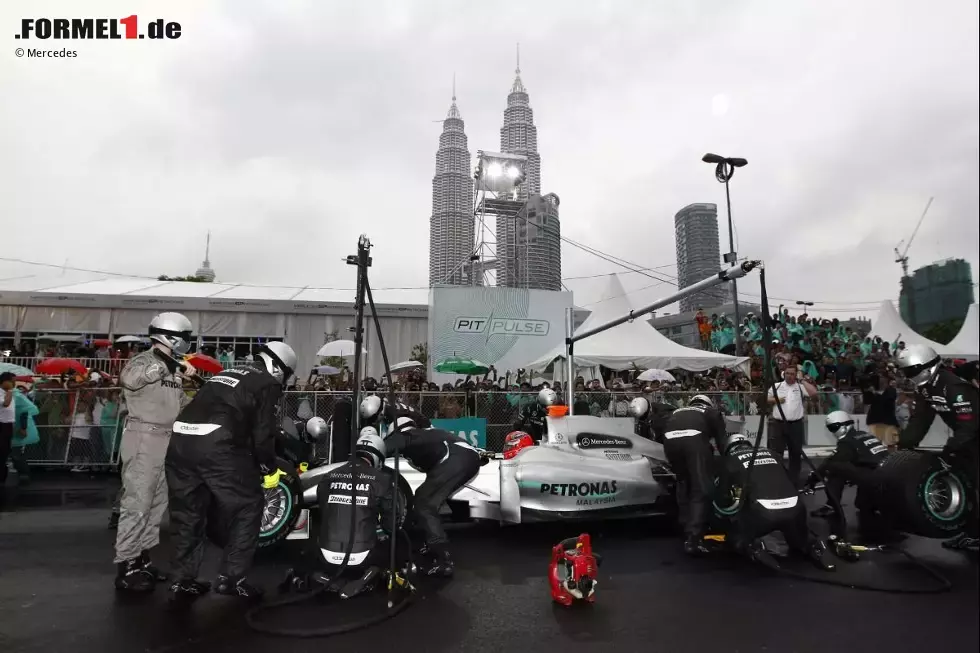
pixel 420 353
pixel 943 332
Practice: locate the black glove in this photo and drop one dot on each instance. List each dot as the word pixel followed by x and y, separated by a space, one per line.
pixel 168 360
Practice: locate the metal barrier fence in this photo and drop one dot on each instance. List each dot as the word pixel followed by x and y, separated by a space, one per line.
pixel 111 366
pixel 83 427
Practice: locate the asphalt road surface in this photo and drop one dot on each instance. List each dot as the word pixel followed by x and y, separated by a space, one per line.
pixel 56 595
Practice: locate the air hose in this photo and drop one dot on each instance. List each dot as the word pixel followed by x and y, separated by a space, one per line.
pixel 362 260
pixel 770 383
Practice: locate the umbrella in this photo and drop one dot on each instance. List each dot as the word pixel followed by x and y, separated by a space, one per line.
pixel 205 363
pixel 124 339
pixel 339 348
pixel 102 342
pixel 55 338
pixel 406 365
pixel 656 375
pixel 456 365
pixel 17 370
pixel 326 370
pixel 54 366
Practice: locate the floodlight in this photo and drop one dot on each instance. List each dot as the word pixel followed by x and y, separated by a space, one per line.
pixel 501 172
pixel 712 158
pixel 513 172
pixel 495 170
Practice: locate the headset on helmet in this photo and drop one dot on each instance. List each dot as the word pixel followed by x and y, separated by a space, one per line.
pixel 736 439
pixel 173 331
pixel 701 400
pixel 547 397
pixel 639 407
pixel 370 446
pixel 839 423
pixel 919 363
pixel 279 359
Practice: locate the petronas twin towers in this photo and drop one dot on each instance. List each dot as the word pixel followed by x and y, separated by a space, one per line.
pixel 452 224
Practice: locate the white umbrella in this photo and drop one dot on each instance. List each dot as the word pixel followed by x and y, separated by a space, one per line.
pixel 326 370
pixel 656 375
pixel 406 365
pixel 51 338
pixel 340 348
pixel 124 339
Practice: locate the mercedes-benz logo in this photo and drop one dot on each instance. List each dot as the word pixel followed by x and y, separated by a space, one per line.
pixel 585 442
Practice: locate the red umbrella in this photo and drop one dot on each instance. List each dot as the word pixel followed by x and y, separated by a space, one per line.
pixel 53 366
pixel 102 342
pixel 205 363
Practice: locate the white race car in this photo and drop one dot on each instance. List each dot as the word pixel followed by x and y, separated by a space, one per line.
pixel 585 467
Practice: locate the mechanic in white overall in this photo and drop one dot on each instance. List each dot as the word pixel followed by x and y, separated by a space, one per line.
pixel 153 388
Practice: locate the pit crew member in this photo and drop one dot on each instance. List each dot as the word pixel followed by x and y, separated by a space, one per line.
pixel 955 400
pixel 775 502
pixel 856 457
pixel 154 392
pixel 224 442
pixel 688 434
pixel 531 419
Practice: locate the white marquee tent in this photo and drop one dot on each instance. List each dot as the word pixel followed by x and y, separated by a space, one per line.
pixel 966 344
pixel 890 327
pixel 633 344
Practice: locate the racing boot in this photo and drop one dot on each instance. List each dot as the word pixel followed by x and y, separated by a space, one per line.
pixel 228 586
pixel 132 576
pixel 363 583
pixel 817 554
pixel 148 566
pixel 443 563
pixel 694 546
pixel 188 590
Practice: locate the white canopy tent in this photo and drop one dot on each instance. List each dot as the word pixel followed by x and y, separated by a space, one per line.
pixel 632 345
pixel 966 344
pixel 890 327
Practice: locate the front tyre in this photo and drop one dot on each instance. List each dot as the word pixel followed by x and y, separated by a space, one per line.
pixel 280 508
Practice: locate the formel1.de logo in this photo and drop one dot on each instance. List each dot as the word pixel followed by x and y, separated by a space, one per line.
pixel 81 29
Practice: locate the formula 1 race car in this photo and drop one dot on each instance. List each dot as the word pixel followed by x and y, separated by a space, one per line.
pixel 584 467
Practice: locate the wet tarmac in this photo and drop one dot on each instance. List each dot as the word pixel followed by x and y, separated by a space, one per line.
pixel 56 596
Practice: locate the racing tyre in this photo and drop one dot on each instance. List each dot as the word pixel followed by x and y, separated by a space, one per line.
pixel 280 510
pixel 724 508
pixel 923 495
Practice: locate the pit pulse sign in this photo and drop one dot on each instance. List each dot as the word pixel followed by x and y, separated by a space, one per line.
pixel 471 429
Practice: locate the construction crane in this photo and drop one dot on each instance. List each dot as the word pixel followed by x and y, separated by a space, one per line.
pixel 903 257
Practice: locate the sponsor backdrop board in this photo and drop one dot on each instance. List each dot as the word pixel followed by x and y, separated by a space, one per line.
pixel 504 327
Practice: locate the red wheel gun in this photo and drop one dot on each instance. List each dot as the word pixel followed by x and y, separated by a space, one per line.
pixel 573 570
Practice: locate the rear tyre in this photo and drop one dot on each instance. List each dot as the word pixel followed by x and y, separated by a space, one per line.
pixel 923 495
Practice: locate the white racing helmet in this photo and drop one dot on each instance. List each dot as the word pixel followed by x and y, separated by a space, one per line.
pixel 839 423
pixel 316 428
pixel 701 400
pixel 547 397
pixel 172 330
pixel 370 446
pixel 371 407
pixel 639 407
pixel 279 359
pixel 919 363
pixel 736 439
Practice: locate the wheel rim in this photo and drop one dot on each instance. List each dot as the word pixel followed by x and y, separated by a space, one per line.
pixel 402 500
pixel 736 500
pixel 944 496
pixel 276 508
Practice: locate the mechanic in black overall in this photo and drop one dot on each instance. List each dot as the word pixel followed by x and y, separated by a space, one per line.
pixel 372 518
pixel 651 418
pixel 531 419
pixel 688 433
pixel 857 455
pixel 223 443
pixel 955 400
pixel 448 463
pixel 775 503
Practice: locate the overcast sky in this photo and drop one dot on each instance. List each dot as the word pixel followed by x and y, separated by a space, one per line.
pixel 287 128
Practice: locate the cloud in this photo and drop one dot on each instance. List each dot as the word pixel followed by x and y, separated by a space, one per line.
pixel 289 128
